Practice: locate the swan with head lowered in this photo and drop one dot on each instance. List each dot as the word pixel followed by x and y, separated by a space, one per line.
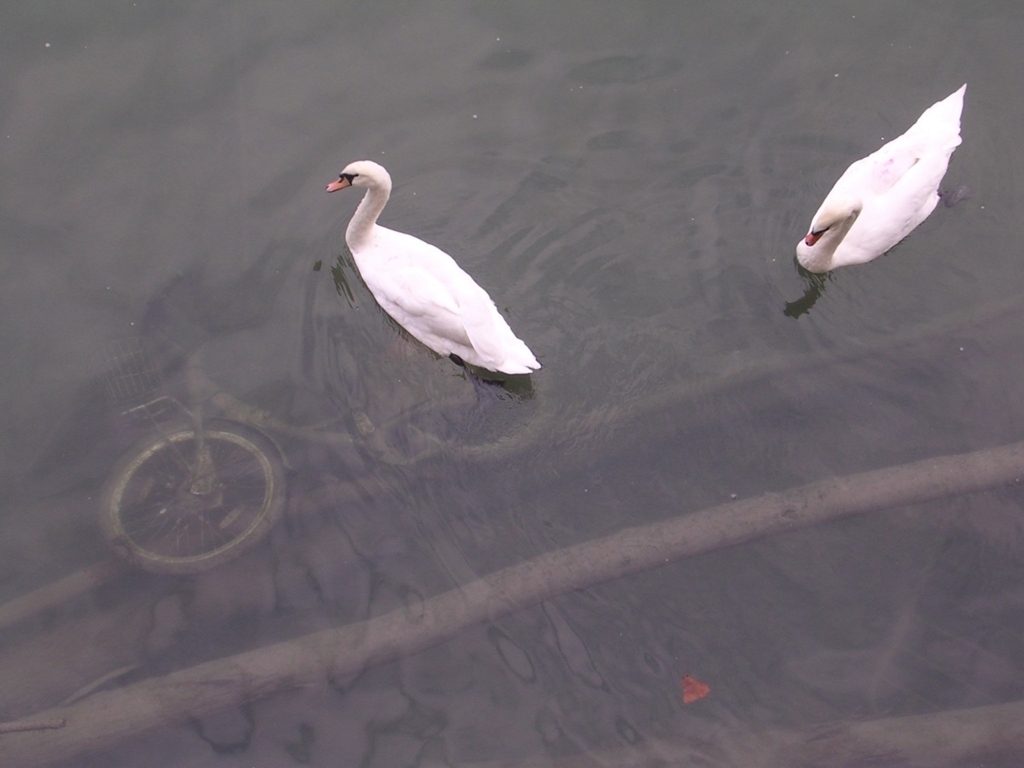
pixel 422 287
pixel 884 196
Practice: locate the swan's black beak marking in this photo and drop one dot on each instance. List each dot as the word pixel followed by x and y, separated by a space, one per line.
pixel 814 235
pixel 344 180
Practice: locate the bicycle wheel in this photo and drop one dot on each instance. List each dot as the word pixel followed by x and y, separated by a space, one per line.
pixel 176 504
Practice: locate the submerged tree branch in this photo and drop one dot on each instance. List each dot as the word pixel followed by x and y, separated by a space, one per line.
pixel 20 726
pixel 107 718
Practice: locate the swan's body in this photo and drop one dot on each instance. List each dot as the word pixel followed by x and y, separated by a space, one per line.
pixel 422 287
pixel 880 199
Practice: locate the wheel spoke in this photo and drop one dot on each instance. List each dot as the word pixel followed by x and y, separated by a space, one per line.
pixel 160 515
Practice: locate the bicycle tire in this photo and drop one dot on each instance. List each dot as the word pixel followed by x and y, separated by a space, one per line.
pixel 153 516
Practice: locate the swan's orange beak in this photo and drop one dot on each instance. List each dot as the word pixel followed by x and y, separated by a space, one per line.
pixel 341 183
pixel 811 238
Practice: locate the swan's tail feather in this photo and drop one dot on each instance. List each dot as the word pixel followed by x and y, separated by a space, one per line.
pixel 942 119
pixel 520 359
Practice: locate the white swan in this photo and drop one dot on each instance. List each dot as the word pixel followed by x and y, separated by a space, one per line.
pixel 883 197
pixel 423 288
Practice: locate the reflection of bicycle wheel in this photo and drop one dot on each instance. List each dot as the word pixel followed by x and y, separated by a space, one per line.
pixel 177 504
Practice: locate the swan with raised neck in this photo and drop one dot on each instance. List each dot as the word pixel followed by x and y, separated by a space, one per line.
pixel 422 288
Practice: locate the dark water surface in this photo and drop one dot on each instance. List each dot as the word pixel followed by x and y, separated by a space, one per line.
pixel 629 181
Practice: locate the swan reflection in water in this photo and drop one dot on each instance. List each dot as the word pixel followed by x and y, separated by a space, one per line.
pixel 814 287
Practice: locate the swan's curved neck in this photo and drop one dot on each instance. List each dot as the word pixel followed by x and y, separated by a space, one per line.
pixel 819 258
pixel 365 217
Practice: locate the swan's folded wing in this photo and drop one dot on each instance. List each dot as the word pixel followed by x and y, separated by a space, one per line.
pixel 491 335
pixel 487 330
pixel 882 170
pixel 429 295
pixel 931 139
pixel 420 302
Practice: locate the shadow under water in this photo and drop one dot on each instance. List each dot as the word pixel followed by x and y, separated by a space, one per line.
pixel 814 288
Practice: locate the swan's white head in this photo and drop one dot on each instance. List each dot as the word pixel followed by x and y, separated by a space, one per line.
pixel 833 214
pixel 828 228
pixel 362 173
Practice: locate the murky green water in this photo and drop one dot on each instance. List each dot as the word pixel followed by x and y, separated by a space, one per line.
pixel 629 182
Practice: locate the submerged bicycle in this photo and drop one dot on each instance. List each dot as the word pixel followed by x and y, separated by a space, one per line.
pixel 194 493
